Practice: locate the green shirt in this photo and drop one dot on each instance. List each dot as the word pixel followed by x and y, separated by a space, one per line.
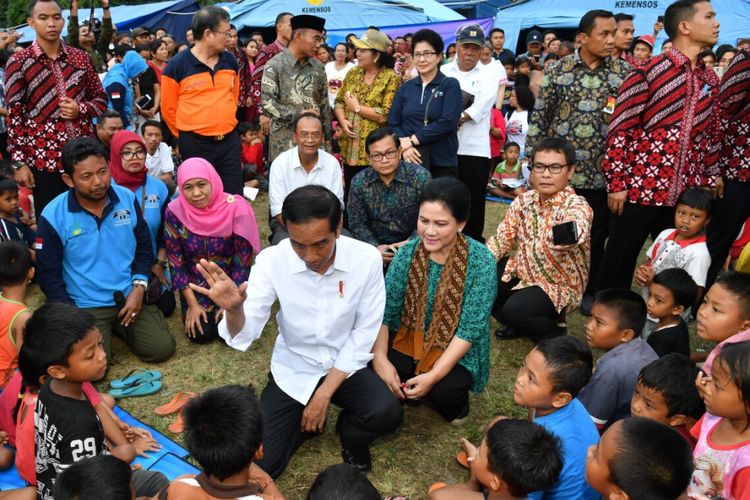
pixel 479 295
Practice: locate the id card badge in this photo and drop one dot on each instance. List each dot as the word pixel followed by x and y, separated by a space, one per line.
pixel 609 108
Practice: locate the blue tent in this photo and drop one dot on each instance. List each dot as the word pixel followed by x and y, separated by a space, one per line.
pixel 175 16
pixel 734 16
pixel 343 14
pixel 446 29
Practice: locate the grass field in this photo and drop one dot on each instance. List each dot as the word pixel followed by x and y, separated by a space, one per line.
pixel 405 463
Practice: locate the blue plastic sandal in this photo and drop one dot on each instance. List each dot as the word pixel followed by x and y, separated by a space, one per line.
pixel 135 377
pixel 144 389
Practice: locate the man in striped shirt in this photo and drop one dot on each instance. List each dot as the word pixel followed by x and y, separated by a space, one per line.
pixel 662 138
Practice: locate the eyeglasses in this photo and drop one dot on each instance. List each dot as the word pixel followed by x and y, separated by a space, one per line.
pixel 129 155
pixel 227 33
pixel 390 154
pixel 310 135
pixel 424 55
pixel 554 168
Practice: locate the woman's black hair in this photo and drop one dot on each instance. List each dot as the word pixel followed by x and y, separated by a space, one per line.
pixel 735 360
pixel 524 97
pixel 450 192
pixel 448 49
pixel 385 60
pixel 723 49
pixel 430 37
pixel 312 202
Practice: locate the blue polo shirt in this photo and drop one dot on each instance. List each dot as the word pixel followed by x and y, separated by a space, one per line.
pixel 153 203
pixel 441 133
pixel 83 259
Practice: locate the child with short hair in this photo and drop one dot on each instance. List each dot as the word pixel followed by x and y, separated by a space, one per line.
pixel 516 458
pixel 223 432
pixel 25 195
pixel 102 476
pixel 617 318
pixel 11 227
pixel 685 245
pixel 506 181
pixel 722 454
pixel 666 392
pixel 16 272
pixel 252 156
pixel 551 377
pixel 342 481
pixel 724 316
pixel 671 293
pixel 639 459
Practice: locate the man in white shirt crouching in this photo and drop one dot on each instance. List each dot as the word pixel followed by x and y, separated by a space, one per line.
pixel 332 296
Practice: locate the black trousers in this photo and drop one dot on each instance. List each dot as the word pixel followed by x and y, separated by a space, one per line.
pixel 597 200
pixel 436 172
pixel 728 215
pixel 628 232
pixel 369 411
pixel 224 155
pixel 47 186
pixel 529 311
pixel 210 328
pixel 450 396
pixel 474 172
pixel 349 172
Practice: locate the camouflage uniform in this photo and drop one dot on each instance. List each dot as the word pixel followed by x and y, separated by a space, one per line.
pixel 288 88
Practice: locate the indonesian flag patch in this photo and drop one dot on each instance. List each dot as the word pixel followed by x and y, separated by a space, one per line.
pixel 115 95
pixel 38 243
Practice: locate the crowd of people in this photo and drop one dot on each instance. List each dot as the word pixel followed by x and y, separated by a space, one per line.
pixel 130 167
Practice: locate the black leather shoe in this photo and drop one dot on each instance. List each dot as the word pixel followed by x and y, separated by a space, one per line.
pixel 586 304
pixel 507 333
pixel 362 460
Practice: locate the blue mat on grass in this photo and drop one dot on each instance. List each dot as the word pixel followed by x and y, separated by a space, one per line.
pixel 170 460
pixel 498 199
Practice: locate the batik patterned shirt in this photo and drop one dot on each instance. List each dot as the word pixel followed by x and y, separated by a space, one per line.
pixel 380 214
pixel 664 135
pixel 34 85
pixel 734 112
pixel 525 236
pixel 576 102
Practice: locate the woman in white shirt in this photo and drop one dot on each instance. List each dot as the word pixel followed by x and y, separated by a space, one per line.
pixel 517 121
pixel 336 70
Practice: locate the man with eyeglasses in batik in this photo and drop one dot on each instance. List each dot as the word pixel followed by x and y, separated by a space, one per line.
pixel 542 247
pixel 384 199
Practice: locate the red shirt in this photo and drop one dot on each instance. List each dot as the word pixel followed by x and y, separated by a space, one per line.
pixel 253 154
pixel 34 85
pixel 663 137
pixel 734 112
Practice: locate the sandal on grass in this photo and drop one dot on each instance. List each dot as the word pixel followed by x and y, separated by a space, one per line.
pixel 175 404
pixel 462 460
pixel 178 425
pixel 144 389
pixel 135 377
pixel 436 486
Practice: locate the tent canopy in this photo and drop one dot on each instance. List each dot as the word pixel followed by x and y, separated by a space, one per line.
pixel 343 14
pixel 174 16
pixel 734 16
pixel 447 30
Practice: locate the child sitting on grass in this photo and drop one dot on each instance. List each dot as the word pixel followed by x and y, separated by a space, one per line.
pixel 666 392
pixel 95 478
pixel 724 316
pixel 547 384
pixel 617 318
pixel 509 168
pixel 16 272
pixel 62 352
pixel 516 457
pixel 671 293
pixel 722 454
pixel 639 459
pixel 223 432
pixel 252 156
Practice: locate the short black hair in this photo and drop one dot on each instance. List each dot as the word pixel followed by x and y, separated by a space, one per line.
pixel 78 150
pixel 51 333
pixel 524 96
pixel 15 262
pixel 32 4
pixel 122 49
pixel 552 56
pixel 307 114
pixel 628 307
pixel 150 123
pixel 378 135
pixel 342 482
pixel 429 36
pixel 525 455
pixel 280 17
pixel 735 359
pixel 102 476
pixel 588 21
pixel 497 30
pixel 569 361
pixel 208 18
pixel 738 284
pixel 549 32
pixel 558 145
pixel 6 169
pixel 110 113
pixel 450 192
pixel 699 199
pixel 680 284
pixel 312 202
pixel 245 127
pixel 622 16
pixel 653 461
pixel 154 45
pixel 212 434
pixel 143 47
pixel 511 144
pixel 673 376
pixel 8 184
pixel 677 12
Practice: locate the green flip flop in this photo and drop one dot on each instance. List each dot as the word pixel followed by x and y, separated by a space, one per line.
pixel 144 389
pixel 135 377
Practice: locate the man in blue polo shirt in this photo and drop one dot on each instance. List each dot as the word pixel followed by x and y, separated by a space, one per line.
pixel 92 242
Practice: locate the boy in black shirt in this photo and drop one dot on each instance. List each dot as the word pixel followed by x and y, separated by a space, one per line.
pixel 671 293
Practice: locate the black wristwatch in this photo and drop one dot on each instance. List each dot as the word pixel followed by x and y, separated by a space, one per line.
pixel 17 165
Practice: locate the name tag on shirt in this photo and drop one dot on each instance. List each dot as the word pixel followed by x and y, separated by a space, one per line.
pixel 609 108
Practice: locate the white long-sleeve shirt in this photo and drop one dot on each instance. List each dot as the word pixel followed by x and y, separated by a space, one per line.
pixel 325 321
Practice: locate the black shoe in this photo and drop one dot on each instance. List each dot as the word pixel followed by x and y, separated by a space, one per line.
pixel 362 460
pixel 586 304
pixel 507 333
pixel 462 416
